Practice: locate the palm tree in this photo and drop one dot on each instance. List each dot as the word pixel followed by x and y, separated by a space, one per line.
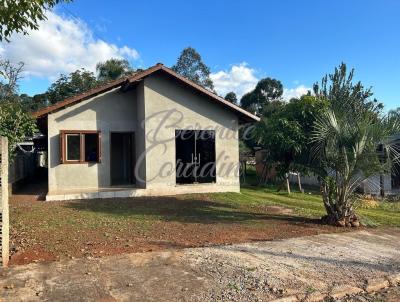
pixel 113 69
pixel 352 140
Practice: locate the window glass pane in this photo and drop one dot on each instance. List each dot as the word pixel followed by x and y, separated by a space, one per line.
pixel 91 147
pixel 73 146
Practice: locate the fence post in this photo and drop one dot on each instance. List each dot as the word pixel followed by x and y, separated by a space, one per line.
pixel 4 214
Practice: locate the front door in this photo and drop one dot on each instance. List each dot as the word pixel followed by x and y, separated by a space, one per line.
pixel 195 156
pixel 122 158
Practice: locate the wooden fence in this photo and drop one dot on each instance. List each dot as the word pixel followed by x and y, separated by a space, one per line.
pixel 4 215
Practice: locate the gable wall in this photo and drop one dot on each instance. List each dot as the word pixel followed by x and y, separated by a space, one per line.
pixel 185 110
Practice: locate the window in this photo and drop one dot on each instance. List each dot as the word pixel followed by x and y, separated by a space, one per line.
pixel 73 147
pixel 80 146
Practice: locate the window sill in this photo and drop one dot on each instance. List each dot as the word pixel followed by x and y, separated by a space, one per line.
pixel 79 162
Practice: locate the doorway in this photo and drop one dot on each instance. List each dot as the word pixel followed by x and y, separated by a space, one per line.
pixel 195 156
pixel 122 158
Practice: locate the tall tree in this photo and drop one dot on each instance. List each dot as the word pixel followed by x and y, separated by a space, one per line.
pixel 270 89
pixel 266 90
pixel 346 138
pixel 191 66
pixel 10 74
pixel 19 16
pixel 67 86
pixel 285 133
pixel 113 69
pixel 15 122
pixel 231 97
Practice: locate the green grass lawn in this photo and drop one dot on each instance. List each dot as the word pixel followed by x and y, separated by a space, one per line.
pixel 308 204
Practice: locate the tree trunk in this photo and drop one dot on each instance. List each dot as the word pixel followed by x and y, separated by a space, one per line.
pixel 382 185
pixel 299 181
pixel 339 213
pixel 287 183
pixel 263 177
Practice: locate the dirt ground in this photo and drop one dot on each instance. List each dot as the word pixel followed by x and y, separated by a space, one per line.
pixel 258 271
pixel 48 231
pixel 391 294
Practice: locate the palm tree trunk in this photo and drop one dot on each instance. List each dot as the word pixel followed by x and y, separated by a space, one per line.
pixel 382 185
pixel 339 211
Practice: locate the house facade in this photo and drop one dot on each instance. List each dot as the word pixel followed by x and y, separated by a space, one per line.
pixel 153 133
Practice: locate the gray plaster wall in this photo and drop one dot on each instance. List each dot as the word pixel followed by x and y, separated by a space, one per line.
pixel 169 106
pixel 140 167
pixel 153 110
pixel 112 111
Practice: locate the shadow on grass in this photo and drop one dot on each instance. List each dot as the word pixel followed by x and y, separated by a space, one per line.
pixel 193 210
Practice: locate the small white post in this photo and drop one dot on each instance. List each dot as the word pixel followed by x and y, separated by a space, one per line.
pixel 5 254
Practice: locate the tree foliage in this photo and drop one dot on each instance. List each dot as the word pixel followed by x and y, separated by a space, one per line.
pixel 22 15
pixel 231 97
pixel 345 138
pixel 338 88
pixel 67 86
pixel 15 122
pixel 113 69
pixel 285 133
pixel 395 112
pixel 266 91
pixel 10 74
pixel 78 82
pixel 191 66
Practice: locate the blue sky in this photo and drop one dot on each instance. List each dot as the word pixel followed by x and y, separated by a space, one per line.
pixel 296 42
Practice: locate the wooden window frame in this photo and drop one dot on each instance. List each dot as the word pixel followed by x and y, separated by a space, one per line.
pixel 81 133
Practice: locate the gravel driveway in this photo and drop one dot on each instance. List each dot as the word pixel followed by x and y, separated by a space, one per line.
pixel 258 271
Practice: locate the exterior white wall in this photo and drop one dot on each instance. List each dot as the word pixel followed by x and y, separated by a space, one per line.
pixel 369 186
pixel 309 180
pixel 372 185
pixel 112 111
pixel 166 99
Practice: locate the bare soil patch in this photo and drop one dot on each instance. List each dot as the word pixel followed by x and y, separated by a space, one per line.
pixel 46 231
pixel 248 272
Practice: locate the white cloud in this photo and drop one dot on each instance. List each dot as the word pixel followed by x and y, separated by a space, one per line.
pixel 61 45
pixel 242 79
pixel 295 92
pixel 239 79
